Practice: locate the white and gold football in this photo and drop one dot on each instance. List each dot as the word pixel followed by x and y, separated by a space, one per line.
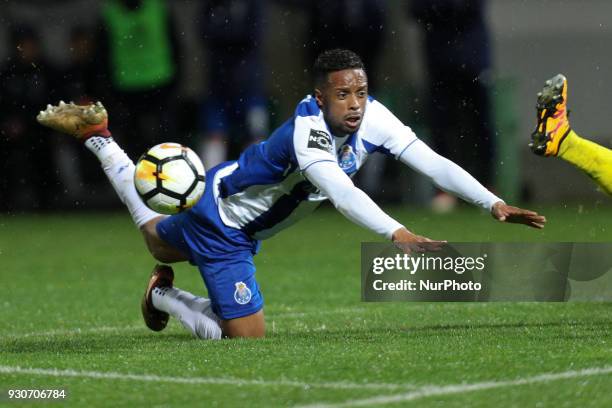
pixel 169 178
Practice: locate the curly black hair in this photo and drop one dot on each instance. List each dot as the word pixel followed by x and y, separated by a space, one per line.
pixel 334 60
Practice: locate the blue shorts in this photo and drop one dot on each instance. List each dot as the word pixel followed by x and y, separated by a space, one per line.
pixel 223 255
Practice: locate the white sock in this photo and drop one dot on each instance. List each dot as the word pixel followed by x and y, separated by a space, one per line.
pixel 194 312
pixel 120 171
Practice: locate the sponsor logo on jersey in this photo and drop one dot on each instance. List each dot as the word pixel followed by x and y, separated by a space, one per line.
pixel 347 159
pixel 319 139
pixel 242 294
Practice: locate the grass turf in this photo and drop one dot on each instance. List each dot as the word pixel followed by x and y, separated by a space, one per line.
pixel 72 286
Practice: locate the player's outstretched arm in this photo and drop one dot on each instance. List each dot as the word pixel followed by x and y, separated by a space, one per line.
pixel 452 178
pixel 507 213
pixel 352 202
pixel 447 175
pixel 358 207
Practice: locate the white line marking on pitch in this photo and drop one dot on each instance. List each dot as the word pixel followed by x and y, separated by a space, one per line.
pixel 196 380
pixel 437 390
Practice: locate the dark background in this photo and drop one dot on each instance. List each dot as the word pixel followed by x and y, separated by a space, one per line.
pixel 526 42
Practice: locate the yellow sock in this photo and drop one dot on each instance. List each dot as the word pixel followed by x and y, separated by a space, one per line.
pixel 595 160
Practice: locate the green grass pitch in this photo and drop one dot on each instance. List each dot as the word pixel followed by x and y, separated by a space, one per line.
pixel 71 287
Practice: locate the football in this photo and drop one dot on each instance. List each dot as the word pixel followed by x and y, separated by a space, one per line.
pixel 169 178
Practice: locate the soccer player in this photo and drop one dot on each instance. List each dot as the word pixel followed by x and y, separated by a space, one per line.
pixel 307 160
pixel 553 136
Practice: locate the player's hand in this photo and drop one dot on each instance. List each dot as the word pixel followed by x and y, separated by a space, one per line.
pixel 515 215
pixel 409 242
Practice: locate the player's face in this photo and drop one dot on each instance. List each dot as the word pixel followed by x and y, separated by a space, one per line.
pixel 343 100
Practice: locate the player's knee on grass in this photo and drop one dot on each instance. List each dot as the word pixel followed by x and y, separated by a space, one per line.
pixel 159 249
pixel 248 326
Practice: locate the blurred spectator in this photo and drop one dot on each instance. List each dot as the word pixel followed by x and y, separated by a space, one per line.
pixel 234 111
pixel 25 147
pixel 80 80
pixel 458 62
pixel 357 25
pixel 81 84
pixel 139 49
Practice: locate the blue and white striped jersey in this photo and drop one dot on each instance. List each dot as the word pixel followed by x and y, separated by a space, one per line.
pixel 265 190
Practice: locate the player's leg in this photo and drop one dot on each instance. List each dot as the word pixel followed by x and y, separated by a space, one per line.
pixel 162 299
pixel 234 310
pixel 248 326
pixel 196 315
pixel 224 257
pixel 234 293
pixel 595 160
pixel 89 124
pixel 227 268
pixel 160 249
pixel 553 136
pixel 552 126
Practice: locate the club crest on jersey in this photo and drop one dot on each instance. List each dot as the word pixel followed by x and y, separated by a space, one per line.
pixel 347 159
pixel 319 139
pixel 242 294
